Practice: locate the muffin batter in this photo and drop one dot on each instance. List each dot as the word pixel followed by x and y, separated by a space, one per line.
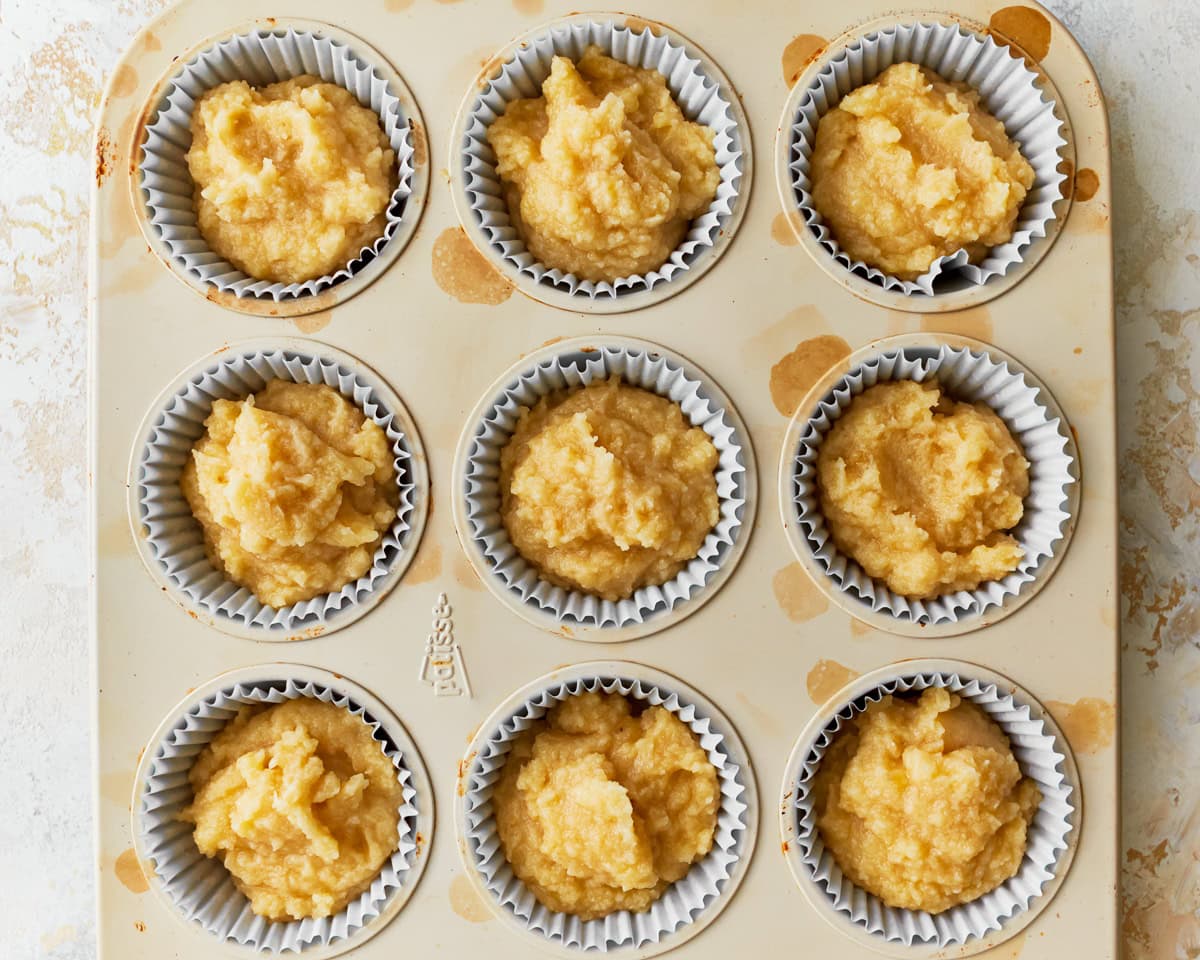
pixel 300 803
pixel 922 803
pixel 910 168
pixel 293 488
pixel 607 489
pixel 920 489
pixel 292 180
pixel 599 810
pixel 602 173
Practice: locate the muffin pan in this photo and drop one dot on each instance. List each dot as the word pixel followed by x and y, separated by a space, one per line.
pixel 766 321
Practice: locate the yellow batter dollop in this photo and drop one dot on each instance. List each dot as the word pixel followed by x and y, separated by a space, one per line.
pixel 921 490
pixel 300 803
pixel 293 488
pixel 599 810
pixel 602 173
pixel 607 489
pixel 923 804
pixel 910 168
pixel 292 179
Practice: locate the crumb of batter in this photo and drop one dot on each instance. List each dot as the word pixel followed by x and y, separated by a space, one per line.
pixel 922 490
pixel 910 168
pixel 599 810
pixel 603 173
pixel 607 488
pixel 300 803
pixel 923 804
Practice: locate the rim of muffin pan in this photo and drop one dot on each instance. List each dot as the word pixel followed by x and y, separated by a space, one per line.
pixel 491 554
pixel 558 291
pixel 245 618
pixel 737 819
pixel 372 264
pixel 844 597
pixel 819 732
pixel 954 292
pixel 390 732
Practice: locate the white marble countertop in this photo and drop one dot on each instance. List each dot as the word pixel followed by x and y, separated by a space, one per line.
pixel 54 57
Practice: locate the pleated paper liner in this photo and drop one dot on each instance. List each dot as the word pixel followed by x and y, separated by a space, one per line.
pixel 1041 752
pixel 703 94
pixel 573 364
pixel 171 541
pixel 688 905
pixel 1022 99
pixel 968 371
pixel 260 56
pixel 198 889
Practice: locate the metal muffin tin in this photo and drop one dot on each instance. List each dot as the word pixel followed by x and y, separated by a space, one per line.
pixel 440 652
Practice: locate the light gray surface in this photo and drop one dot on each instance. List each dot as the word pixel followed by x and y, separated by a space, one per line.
pixel 53 61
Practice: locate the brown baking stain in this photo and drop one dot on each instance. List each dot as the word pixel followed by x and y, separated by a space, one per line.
pixel 1088 723
pixel 1067 187
pixel 139 926
pixel 395 6
pixel 464 273
pixel 312 322
pixel 124 82
pixel 465 574
pixel 763 718
pixel 427 564
pixel 826 678
pixel 129 872
pixel 860 628
pixel 782 231
pixel 975 323
pixel 531 8
pixel 801 50
pixel 796 373
pixel 420 143
pixel 552 341
pixel 1087 182
pixel 150 42
pixel 106 156
pixel 466 902
pixel 798 597
pixel 1028 28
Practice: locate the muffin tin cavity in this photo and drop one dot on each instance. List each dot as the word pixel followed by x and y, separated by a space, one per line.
pixel 704 95
pixel 169 538
pixel 578 363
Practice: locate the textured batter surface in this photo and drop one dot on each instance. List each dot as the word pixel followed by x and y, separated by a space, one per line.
pixel 294 490
pixel 607 488
pixel 599 810
pixel 922 803
pixel 300 803
pixel 921 489
pixel 292 179
pixel 603 172
pixel 910 168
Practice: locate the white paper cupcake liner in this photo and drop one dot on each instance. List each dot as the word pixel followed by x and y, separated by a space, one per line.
pixel 683 902
pixel 574 369
pixel 694 88
pixel 175 539
pixel 969 376
pixel 259 57
pixel 1010 91
pixel 1040 757
pixel 200 887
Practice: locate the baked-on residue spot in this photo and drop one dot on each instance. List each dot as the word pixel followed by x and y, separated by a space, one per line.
pixel 129 872
pixel 106 156
pixel 975 323
pixel 799 53
pixel 124 81
pixel 1088 723
pixel 465 574
pixel 395 6
pixel 782 232
pixel 1027 27
pixel 798 597
pixel 794 375
pixel 464 273
pixel 420 143
pixel 826 678
pixel 1087 182
pixel 466 902
pixel 530 8
pixel 312 322
pixel 427 564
